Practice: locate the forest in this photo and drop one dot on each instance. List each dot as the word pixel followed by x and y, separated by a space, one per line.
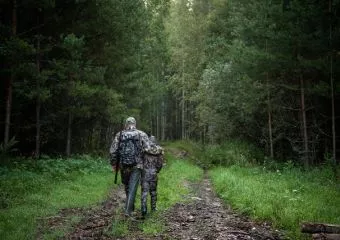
pixel 265 72
pixel 249 83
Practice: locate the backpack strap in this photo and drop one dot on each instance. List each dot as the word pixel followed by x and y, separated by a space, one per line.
pixel 137 147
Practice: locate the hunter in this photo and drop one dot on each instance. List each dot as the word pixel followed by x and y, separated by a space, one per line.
pixel 127 148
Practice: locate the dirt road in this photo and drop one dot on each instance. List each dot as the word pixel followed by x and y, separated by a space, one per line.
pixel 202 216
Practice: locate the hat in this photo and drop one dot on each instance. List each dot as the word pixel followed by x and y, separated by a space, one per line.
pixel 130 120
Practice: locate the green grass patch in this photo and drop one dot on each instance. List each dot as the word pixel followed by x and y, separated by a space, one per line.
pixel 172 178
pixel 232 152
pixel 34 190
pixel 152 226
pixel 286 198
pixel 183 145
pixel 119 228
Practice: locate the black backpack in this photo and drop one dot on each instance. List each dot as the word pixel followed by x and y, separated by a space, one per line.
pixel 129 147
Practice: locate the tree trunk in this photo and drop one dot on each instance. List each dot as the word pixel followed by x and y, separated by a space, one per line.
pixel 270 131
pixel 176 119
pixel 332 88
pixel 304 123
pixel 8 108
pixel 38 101
pixel 10 81
pixel 69 134
pixel 152 125
pixel 163 121
pixel 157 122
pixel 269 109
pixel 183 103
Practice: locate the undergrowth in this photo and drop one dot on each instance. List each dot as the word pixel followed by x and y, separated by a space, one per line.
pixel 285 197
pixel 228 154
pixel 34 189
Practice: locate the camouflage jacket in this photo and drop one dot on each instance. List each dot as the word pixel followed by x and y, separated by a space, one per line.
pixel 153 158
pixel 144 144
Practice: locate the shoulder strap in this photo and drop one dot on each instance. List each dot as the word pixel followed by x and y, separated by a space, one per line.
pixel 120 140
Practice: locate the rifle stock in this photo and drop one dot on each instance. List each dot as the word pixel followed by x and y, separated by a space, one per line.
pixel 117 170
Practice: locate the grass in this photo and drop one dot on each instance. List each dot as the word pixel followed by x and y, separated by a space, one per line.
pixel 152 226
pixel 285 197
pixel 183 145
pixel 171 188
pixel 119 228
pixel 33 190
pixel 230 153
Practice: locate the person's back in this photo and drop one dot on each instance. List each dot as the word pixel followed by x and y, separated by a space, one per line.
pixel 126 149
pixel 152 164
pixel 130 147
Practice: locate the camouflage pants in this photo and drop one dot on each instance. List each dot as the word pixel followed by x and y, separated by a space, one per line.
pixel 149 185
pixel 130 178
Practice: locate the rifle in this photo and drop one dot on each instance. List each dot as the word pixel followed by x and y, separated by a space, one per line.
pixel 118 158
pixel 117 170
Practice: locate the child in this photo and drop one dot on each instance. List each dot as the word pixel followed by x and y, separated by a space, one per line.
pixel 153 162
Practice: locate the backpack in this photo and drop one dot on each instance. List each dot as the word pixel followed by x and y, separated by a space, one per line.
pixel 129 147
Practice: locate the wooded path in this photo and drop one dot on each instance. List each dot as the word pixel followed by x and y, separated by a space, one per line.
pixel 202 215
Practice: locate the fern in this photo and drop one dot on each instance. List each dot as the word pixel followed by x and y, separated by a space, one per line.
pixel 9 147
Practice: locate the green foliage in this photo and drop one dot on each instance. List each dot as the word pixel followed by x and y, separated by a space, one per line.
pixel 285 197
pixel 190 147
pixel 230 153
pixel 88 59
pixel 36 189
pixel 9 147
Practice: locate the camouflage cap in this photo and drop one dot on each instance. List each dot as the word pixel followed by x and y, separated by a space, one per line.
pixel 130 120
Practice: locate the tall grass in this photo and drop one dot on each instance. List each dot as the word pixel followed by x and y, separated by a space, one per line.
pixel 227 154
pixel 285 197
pixel 33 190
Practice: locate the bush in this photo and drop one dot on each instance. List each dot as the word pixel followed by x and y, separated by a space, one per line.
pixel 230 153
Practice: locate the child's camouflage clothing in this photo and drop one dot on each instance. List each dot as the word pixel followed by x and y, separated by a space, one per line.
pixel 153 162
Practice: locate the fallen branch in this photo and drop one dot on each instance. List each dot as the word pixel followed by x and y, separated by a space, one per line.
pixel 320 228
pixel 326 236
